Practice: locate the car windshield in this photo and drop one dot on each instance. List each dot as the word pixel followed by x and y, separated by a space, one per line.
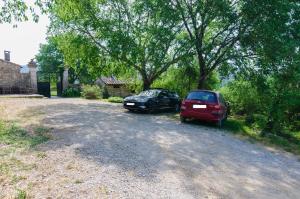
pixel 202 96
pixel 150 93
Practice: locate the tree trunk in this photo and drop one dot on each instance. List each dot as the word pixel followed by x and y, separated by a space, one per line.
pixel 146 84
pixel 203 75
pixel 201 82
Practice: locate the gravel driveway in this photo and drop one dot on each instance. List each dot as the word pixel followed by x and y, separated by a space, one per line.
pixel 103 151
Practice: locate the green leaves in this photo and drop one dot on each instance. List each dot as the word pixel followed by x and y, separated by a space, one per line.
pixel 136 34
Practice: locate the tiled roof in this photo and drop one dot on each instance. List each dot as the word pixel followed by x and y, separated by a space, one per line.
pixel 111 81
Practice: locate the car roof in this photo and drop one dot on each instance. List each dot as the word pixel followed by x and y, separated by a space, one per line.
pixel 161 89
pixel 203 90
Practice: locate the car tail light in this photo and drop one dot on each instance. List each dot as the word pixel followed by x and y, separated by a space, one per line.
pixel 216 110
pixel 217 107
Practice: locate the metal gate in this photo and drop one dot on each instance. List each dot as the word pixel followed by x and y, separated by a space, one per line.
pixel 44 83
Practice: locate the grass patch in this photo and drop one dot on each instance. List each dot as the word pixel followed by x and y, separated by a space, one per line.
pixel 16 179
pixel 21 194
pixel 41 155
pixel 115 99
pixel 78 181
pixel 12 134
pixel 238 126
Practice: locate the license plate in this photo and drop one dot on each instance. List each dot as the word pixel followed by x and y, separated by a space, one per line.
pixel 130 104
pixel 199 106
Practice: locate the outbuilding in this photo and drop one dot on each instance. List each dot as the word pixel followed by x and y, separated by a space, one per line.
pixel 113 86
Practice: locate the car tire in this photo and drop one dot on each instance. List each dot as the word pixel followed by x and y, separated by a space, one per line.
pixel 182 119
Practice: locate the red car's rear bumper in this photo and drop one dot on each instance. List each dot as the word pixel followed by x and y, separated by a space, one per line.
pixel 200 116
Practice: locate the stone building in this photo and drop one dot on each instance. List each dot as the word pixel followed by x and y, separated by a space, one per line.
pixel 114 87
pixel 14 80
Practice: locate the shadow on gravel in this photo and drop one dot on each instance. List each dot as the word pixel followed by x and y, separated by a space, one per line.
pixel 203 158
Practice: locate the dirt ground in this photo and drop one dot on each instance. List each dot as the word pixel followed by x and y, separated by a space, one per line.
pixel 99 150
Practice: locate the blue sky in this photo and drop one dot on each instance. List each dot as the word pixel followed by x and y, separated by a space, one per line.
pixel 24 40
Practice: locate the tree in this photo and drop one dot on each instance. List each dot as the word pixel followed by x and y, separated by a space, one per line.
pixel 20 10
pixel 214 29
pixel 137 34
pixel 49 58
pixel 221 32
pixel 52 59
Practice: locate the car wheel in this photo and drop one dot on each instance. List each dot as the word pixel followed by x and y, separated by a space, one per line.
pixel 182 119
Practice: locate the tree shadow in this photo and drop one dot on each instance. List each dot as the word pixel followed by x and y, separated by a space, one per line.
pixel 203 159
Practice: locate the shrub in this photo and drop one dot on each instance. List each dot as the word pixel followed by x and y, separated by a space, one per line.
pixel 105 94
pixel 243 98
pixel 91 92
pixel 115 99
pixel 71 92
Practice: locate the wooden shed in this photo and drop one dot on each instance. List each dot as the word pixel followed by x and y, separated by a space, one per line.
pixel 114 87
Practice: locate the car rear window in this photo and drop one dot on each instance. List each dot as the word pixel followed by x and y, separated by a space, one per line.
pixel 202 96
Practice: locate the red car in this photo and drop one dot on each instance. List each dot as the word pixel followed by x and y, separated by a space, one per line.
pixel 204 105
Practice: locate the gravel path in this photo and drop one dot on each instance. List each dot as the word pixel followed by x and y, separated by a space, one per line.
pixel 103 151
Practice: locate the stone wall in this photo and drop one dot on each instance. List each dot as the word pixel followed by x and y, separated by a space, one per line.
pixel 12 81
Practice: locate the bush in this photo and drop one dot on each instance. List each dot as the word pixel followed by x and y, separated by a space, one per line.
pixel 105 94
pixel 71 92
pixel 91 92
pixel 115 99
pixel 243 98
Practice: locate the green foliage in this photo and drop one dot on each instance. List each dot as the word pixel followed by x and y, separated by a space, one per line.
pixel 71 92
pixel 143 38
pixel 270 101
pixel 17 11
pixel 115 99
pixel 105 94
pixel 82 56
pixel 91 92
pixel 184 79
pixel 12 134
pixel 238 126
pixel 242 96
pixel 50 58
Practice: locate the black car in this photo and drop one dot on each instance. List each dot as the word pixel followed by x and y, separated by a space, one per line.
pixel 152 100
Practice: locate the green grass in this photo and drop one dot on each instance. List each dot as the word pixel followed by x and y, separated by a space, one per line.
pixel 239 127
pixel 78 181
pixel 21 194
pixel 12 134
pixel 53 93
pixel 115 99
